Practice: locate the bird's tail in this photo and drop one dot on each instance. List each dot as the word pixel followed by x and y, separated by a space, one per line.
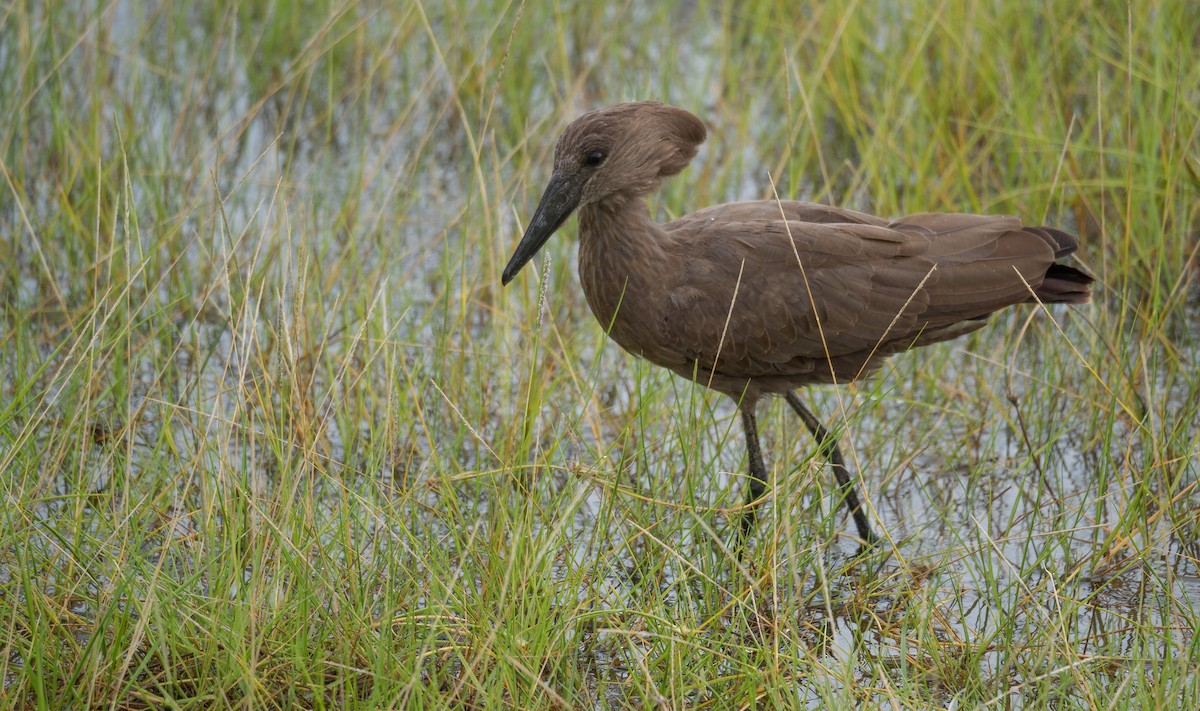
pixel 1062 284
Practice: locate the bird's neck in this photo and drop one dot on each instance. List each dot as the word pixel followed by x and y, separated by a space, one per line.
pixel 616 219
pixel 618 236
pixel 620 249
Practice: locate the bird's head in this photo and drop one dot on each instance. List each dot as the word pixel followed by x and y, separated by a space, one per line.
pixel 608 157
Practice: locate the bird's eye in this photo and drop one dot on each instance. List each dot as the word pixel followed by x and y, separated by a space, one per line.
pixel 594 158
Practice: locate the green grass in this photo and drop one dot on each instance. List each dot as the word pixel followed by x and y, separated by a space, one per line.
pixel 273 436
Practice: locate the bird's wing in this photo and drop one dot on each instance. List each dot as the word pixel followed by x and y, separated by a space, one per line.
pixel 815 289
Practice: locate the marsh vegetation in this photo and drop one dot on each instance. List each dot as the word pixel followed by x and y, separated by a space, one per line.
pixel 273 436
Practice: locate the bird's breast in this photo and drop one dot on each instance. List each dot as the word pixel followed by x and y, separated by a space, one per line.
pixel 619 299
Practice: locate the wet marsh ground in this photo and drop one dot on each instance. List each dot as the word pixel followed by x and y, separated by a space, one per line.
pixel 273 436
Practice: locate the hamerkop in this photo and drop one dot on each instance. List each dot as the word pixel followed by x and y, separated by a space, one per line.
pixel 762 297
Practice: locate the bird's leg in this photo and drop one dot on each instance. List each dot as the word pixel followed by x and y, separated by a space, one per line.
pixel 829 447
pixel 758 473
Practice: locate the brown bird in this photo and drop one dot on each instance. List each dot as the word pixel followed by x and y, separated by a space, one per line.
pixel 762 297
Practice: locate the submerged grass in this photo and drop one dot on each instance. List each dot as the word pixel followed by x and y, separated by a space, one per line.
pixel 273 436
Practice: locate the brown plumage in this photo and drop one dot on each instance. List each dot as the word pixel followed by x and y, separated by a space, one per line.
pixel 762 297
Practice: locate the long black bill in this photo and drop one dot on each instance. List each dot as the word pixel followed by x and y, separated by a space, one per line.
pixel 559 200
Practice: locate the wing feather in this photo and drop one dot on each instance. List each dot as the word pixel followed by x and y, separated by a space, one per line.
pixel 828 284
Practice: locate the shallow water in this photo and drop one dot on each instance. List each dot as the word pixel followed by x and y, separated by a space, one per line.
pixel 961 496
